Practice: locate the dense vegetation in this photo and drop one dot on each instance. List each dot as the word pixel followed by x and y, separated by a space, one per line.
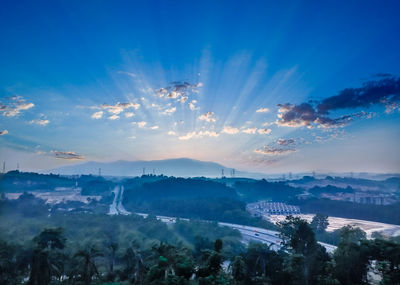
pixel 98 249
pixel 379 213
pixel 210 199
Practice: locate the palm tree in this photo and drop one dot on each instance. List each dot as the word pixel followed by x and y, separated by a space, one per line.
pixel 45 262
pixel 88 257
pixel 135 267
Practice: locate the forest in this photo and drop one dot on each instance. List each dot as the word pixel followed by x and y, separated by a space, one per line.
pixel 100 249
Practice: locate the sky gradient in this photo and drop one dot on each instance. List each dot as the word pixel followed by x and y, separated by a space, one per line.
pixel 269 86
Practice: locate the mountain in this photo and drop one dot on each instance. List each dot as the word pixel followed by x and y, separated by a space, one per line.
pixel 180 167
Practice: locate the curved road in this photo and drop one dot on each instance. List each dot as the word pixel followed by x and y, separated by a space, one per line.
pixel 248 233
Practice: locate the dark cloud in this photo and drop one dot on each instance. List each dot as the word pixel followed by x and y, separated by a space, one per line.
pixel 385 91
pixel 286 142
pixel 67 155
pixel 274 151
pixel 178 89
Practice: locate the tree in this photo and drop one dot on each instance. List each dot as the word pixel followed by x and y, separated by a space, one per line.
pixel 319 223
pixel 46 261
pixel 238 269
pixel 87 258
pixel 351 258
pixel 299 240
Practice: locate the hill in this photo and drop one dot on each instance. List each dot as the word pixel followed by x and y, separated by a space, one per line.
pixel 180 167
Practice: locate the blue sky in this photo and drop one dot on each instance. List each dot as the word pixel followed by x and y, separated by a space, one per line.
pixel 255 85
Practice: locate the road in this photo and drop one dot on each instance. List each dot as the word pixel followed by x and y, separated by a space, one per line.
pixel 248 233
pixel 116 208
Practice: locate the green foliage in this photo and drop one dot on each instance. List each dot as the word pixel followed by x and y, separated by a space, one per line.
pixel 319 223
pixel 378 213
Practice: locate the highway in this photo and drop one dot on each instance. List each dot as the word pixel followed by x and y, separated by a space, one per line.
pixel 248 233
pixel 116 207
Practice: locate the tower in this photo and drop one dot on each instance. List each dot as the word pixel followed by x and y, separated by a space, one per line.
pixel 99 171
pixel 4 167
pixel 222 173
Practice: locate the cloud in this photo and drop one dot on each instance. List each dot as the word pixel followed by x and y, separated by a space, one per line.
pixel 14 106
pixel 183 99
pixel 200 134
pixel 129 114
pixel 208 117
pixel 286 142
pixel 40 122
pixel 385 91
pixel 154 127
pixel 118 107
pixel 250 131
pixel 141 124
pixel 192 105
pixel 274 151
pixel 97 115
pixel 264 131
pixel 4 132
pixel 113 117
pixel 169 111
pixel 262 110
pixel 127 73
pixel 178 89
pixel 171 133
pixel 69 155
pixel 291 115
pixel 230 130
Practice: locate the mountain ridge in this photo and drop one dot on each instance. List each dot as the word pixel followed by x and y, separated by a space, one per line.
pixel 182 167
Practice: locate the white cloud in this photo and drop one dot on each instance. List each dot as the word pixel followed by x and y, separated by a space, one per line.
pixel 200 134
pixel 171 133
pixel 40 122
pixel 113 117
pixel 262 110
pixel 141 124
pixel 97 115
pixel 127 73
pixel 208 117
pixel 154 127
pixel 15 106
pixel 230 130
pixel 192 105
pixel 188 136
pixel 169 111
pixel 250 131
pixel 118 107
pixel 183 99
pixel 2 133
pixel 264 131
pixel 129 114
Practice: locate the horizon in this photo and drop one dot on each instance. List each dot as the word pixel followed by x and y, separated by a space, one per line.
pixel 287 88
